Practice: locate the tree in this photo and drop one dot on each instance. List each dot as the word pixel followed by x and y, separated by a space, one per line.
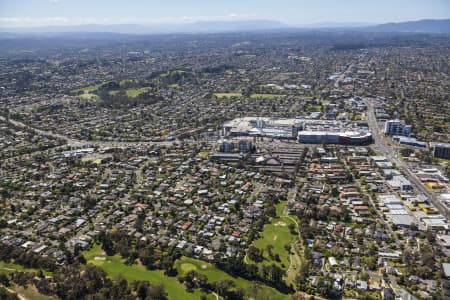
pixel 224 288
pixel 6 295
pixel 223 285
pixel 269 250
pixel 298 296
pixel 81 259
pixel 255 254
pixel 334 191
pixel 146 256
pixel 291 227
pixel 4 280
pixel 95 276
pixel 119 290
pixel 270 211
pixel 157 292
pixel 107 244
pixel 325 287
pixel 194 279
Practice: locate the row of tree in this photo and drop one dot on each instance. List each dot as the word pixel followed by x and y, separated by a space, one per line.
pixel 26 258
pixel 131 250
pixel 271 275
pixel 90 282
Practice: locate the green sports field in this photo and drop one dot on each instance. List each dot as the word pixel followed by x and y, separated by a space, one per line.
pixel 254 291
pixel 114 267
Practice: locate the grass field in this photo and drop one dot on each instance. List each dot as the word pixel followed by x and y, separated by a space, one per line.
pixel 127 81
pixel 94 160
pixel 132 93
pixel 253 96
pixel 186 264
pixel 314 107
pixel 87 91
pixel 136 92
pixel 10 267
pixel 277 234
pixel 227 95
pixel 89 96
pixel 114 267
pixel 266 96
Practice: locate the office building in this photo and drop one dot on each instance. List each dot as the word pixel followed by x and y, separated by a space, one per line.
pixel 441 150
pixel 395 127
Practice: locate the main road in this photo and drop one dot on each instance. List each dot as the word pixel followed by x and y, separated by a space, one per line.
pixel 343 74
pixel 381 145
pixel 82 143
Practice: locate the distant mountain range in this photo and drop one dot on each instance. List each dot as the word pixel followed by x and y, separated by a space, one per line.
pixel 428 26
pixel 422 26
pixel 196 27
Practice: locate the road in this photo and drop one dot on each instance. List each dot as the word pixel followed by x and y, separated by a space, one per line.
pixel 292 195
pixel 82 143
pixel 381 145
pixel 342 76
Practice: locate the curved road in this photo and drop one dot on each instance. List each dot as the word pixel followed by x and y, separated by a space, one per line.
pixel 80 143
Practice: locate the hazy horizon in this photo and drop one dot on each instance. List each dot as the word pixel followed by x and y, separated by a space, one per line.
pixel 37 13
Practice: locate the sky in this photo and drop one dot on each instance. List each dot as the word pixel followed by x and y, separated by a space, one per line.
pixel 30 13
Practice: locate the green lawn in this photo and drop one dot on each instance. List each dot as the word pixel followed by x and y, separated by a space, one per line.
pixel 114 267
pixel 127 81
pixel 186 264
pixel 10 267
pixel 253 96
pixel 277 234
pixel 90 88
pixel 132 93
pixel 311 107
pixel 87 91
pixel 266 96
pixel 227 95
pixel 136 92
pixel 171 73
pixel 113 92
pixel 87 96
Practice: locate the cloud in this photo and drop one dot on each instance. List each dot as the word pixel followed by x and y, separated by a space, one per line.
pixel 47 21
pixel 61 21
pixel 54 1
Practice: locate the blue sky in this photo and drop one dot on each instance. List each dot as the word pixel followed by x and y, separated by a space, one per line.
pixel 299 12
